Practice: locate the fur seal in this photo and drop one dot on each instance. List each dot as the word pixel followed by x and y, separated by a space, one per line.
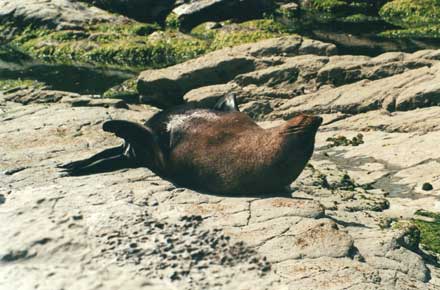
pixel 219 150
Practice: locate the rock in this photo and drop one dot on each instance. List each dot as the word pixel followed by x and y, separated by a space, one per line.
pixel 319 239
pixel 334 77
pixel 340 227
pixel 30 95
pixel 270 208
pixel 406 91
pixel 58 14
pixel 427 186
pixel 199 11
pixel 167 86
pixel 207 96
pixel 141 10
pixel 138 223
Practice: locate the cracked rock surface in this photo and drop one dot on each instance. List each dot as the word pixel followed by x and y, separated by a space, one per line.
pixel 131 229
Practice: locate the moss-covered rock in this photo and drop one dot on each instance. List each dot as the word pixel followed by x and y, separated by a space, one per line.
pixel 136 45
pixel 411 13
pixel 12 84
pixel 429 229
pixel 127 45
pixel 420 18
pixel 231 34
pixel 342 10
pixel 11 54
pixel 126 91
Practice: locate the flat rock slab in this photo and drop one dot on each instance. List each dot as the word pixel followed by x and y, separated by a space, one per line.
pixel 130 227
pixel 166 87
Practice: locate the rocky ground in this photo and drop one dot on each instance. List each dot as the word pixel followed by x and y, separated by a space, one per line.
pixel 345 224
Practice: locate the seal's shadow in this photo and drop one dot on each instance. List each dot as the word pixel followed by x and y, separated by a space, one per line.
pixel 261 195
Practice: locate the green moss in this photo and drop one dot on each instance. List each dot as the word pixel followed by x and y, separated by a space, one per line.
pixel 344 141
pixel 230 39
pixel 429 230
pixel 172 21
pixel 126 91
pixel 134 28
pixel 109 44
pixel 133 45
pixel 12 54
pixel 359 18
pixel 430 31
pixel 328 6
pixel 9 84
pixel 236 34
pixel 411 13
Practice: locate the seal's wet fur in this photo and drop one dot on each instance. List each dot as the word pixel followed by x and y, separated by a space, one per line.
pixel 219 150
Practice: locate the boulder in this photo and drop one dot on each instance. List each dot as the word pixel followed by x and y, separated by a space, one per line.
pixel 207 96
pixel 199 11
pixel 413 89
pixel 167 86
pixel 58 14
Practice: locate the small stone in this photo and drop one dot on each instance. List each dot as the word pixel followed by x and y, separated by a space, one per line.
pixel 77 217
pixel 427 186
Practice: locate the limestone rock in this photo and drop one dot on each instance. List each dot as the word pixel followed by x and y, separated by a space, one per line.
pixel 207 96
pixel 320 238
pixel 30 95
pixel 96 231
pixel 412 89
pixel 167 86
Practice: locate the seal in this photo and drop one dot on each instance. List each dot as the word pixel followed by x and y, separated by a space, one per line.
pixel 219 150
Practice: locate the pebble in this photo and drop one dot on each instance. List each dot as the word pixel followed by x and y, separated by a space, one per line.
pixel 427 186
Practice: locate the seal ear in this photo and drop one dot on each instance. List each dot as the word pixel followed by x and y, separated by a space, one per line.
pixel 227 104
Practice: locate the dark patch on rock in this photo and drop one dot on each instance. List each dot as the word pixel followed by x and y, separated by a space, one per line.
pixel 14 170
pixel 344 141
pixel 427 186
pixel 177 250
pixel 13 256
pixel 141 10
pixel 191 14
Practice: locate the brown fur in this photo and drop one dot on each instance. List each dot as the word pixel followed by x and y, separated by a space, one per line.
pixel 219 151
pixel 235 155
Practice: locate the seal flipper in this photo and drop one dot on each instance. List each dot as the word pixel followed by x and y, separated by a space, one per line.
pixel 141 141
pixel 139 149
pixel 227 104
pixel 103 165
pixel 110 152
pixel 131 132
